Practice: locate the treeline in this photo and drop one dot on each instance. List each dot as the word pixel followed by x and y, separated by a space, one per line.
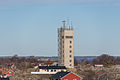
pixel 18 62
pixel 104 59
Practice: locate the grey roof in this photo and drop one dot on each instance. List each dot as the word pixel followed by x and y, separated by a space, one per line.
pixel 51 67
pixel 59 75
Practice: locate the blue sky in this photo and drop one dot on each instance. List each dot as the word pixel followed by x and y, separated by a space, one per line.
pixel 29 27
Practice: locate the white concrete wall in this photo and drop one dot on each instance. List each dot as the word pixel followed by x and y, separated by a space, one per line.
pixel 64 47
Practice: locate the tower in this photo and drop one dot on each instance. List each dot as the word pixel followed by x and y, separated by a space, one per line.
pixel 66 46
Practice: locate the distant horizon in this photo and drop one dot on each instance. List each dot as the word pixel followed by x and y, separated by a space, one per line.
pixel 54 56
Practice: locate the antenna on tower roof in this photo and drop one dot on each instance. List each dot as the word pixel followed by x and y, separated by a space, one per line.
pixel 68 23
pixel 71 25
pixel 64 26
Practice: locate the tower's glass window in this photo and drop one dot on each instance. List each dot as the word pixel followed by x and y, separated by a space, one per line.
pixel 69 36
pixel 70 51
pixel 70 56
pixel 70 46
pixel 70 41
pixel 70 60
pixel 62 37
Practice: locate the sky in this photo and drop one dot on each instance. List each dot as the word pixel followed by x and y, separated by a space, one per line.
pixel 29 27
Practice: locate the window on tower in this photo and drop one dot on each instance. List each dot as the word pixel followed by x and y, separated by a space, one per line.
pixel 62 37
pixel 69 36
pixel 70 51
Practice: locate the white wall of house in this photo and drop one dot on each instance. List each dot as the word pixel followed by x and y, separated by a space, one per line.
pixel 48 71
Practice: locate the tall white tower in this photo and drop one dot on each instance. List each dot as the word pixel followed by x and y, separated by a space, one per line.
pixel 66 46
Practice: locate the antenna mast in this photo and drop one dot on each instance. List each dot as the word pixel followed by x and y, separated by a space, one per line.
pixel 68 23
pixel 71 25
pixel 64 26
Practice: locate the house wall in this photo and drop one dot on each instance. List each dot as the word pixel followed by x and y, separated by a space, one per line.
pixel 50 70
